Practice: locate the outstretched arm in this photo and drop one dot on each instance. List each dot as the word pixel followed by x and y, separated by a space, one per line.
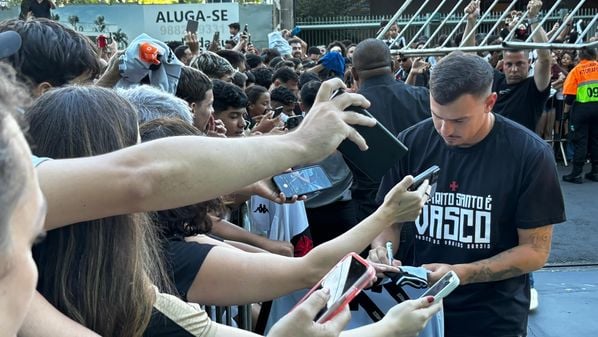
pixel 531 254
pixel 177 171
pixel 542 65
pixel 473 12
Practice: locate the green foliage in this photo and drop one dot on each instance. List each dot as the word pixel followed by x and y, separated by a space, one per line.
pixel 319 8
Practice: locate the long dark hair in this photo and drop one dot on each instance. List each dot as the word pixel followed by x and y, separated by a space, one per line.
pixel 188 220
pixel 96 272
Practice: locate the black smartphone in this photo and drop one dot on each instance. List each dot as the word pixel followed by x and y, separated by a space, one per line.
pixel 302 181
pixel 246 29
pixel 384 151
pixel 293 122
pixel 277 111
pixel 216 36
pixel 192 26
pixel 431 174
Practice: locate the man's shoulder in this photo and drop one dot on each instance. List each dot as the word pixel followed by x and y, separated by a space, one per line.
pixel 517 134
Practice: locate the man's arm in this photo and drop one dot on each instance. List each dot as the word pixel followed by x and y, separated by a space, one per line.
pixel 177 171
pixel 542 65
pixel 473 12
pixel 45 320
pixel 531 254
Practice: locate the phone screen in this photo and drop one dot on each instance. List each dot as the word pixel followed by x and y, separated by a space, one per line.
pixel 303 181
pixel 192 26
pixel 341 279
pixel 438 286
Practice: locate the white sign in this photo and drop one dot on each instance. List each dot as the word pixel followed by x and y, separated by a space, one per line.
pixel 169 22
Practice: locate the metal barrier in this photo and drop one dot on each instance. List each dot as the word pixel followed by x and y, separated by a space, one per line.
pixel 447 20
pixel 224 315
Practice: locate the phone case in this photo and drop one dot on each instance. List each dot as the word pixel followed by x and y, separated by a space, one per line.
pixel 447 289
pixel 349 294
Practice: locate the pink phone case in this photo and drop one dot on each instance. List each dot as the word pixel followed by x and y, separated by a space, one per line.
pixel 353 291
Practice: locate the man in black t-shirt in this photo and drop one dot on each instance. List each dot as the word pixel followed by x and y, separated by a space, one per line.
pixel 394 104
pixel 497 196
pixel 37 8
pixel 522 98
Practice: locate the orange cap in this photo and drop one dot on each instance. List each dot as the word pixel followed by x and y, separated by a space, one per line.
pixel 148 53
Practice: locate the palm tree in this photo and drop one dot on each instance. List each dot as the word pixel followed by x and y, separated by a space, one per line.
pixel 100 24
pixel 74 20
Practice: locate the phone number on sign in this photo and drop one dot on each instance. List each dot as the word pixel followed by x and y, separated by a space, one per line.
pixel 203 29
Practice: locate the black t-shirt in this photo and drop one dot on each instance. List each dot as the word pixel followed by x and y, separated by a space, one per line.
pixel 40 10
pixel 397 106
pixel 183 260
pixel 521 102
pixel 508 181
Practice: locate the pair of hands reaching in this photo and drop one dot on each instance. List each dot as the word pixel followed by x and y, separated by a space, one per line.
pixel 406 319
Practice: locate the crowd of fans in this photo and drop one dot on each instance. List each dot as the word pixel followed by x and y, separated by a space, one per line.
pixel 151 172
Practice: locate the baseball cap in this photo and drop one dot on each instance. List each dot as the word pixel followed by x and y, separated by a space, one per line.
pixel 10 42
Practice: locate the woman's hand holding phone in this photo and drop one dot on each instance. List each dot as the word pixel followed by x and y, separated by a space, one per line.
pixel 408 318
pixel 401 205
pixel 300 322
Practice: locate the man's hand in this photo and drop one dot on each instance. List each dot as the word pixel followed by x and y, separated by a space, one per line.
pixel 409 318
pixel 216 128
pixel 533 8
pixel 191 41
pixel 473 10
pixel 112 74
pixel 327 124
pixel 265 188
pixel 265 123
pixel 300 321
pixel 437 270
pixel 420 66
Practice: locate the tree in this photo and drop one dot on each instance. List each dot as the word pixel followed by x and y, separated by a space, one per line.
pixel 74 20
pixel 319 8
pixel 121 38
pixel 100 24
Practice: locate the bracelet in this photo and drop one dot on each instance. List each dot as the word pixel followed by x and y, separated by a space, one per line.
pixel 531 21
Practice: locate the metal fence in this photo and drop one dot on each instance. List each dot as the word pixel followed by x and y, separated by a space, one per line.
pixel 323 30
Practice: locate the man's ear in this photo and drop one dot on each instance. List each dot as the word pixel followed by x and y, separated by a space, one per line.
pixel 192 106
pixel 277 83
pixel 41 88
pixel 490 101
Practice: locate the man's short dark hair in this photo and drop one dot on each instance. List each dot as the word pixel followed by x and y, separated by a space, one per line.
pixel 268 54
pixel 371 54
pixel 213 65
pixel 294 40
pixel 307 77
pixel 588 54
pixel 234 57
pixel 250 78
pixel 193 85
pixel 283 95
pixel 228 95
pixel 263 76
pixel 235 25
pixel 308 94
pixel 51 52
pixel 458 74
pixel 179 51
pixel 285 74
pixel 253 60
pixel 314 50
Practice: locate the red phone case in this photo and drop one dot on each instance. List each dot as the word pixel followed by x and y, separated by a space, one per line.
pixel 355 289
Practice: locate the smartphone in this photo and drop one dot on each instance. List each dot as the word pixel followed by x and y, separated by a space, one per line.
pixel 431 174
pixel 216 37
pixel 293 122
pixel 385 150
pixel 302 181
pixel 443 287
pixel 277 111
pixel 192 26
pixel 345 281
pixel 246 29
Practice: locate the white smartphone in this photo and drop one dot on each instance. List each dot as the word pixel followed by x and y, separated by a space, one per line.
pixel 449 282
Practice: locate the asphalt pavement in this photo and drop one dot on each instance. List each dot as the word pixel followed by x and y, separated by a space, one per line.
pixel 568 285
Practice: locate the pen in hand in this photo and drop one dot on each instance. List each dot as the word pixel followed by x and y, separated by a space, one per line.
pixel 389 252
